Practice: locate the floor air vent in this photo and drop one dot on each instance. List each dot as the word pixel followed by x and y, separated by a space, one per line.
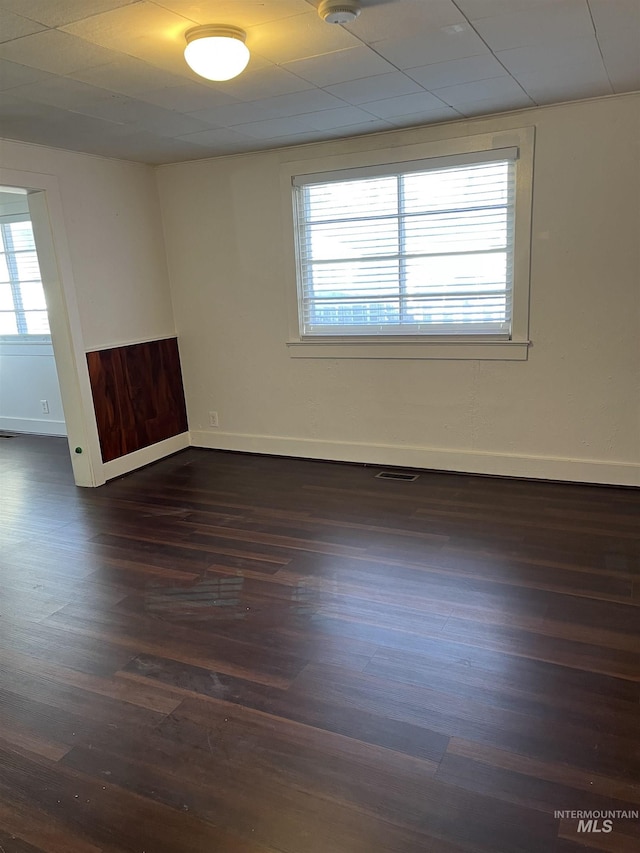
pixel 397 475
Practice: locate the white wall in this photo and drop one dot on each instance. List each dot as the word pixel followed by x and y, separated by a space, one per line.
pixel 108 246
pixel 570 412
pixel 113 228
pixel 27 376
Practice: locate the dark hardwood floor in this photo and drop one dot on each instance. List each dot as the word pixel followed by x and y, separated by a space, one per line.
pixel 249 655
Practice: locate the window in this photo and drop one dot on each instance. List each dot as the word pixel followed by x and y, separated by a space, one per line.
pixel 418 251
pixel 23 310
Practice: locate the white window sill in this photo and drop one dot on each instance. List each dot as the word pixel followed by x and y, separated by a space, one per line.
pixel 459 350
pixel 25 340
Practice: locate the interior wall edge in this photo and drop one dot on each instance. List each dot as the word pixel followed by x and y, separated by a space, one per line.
pixel 461 461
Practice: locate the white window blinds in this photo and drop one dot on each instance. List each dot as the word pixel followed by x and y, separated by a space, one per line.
pixel 413 249
pixel 23 310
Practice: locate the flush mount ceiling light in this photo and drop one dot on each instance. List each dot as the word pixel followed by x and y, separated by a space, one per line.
pixel 216 51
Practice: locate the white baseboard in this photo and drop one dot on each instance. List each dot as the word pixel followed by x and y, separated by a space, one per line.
pixel 36 426
pixel 465 461
pixel 139 458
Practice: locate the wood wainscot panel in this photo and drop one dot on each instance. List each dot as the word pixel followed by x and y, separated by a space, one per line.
pixel 137 396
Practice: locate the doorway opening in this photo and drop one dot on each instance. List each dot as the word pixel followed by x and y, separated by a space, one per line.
pixel 30 399
pixel 26 315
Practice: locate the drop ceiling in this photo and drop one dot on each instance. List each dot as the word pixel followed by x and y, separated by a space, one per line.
pixel 108 76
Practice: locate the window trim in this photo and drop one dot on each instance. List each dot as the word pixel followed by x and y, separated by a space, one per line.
pixel 414 347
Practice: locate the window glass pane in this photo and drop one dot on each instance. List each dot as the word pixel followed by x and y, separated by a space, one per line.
pixel 350 199
pixel 456 274
pixel 37 322
pixel 22 236
pixel 354 312
pixel 457 310
pixel 6 297
pixel 461 187
pixel 8 324
pixel 27 266
pixel 456 232
pixel 32 296
pixel 19 266
pixel 352 240
pixel 355 278
pixel 423 252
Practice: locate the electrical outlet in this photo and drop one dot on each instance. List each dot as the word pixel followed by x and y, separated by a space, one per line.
pixel 44 405
pixel 213 419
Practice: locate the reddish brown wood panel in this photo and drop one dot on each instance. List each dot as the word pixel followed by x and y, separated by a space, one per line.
pixel 137 396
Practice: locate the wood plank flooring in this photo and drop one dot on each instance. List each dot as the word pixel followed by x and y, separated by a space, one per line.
pixel 258 655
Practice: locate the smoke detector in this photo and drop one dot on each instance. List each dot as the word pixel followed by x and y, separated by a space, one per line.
pixel 339 11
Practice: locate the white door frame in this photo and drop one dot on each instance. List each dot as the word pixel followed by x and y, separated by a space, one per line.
pixel 45 207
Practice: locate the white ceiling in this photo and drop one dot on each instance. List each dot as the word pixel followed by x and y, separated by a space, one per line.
pixel 108 76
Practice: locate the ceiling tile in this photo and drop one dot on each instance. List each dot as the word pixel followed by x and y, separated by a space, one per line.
pixel 456 71
pixel 534 57
pixel 14 26
pixel 375 88
pixel 298 37
pixel 495 105
pixel 425 117
pixel 63 92
pixel 219 139
pixel 81 133
pixel 374 125
pixel 12 105
pixel 455 42
pixel 124 110
pixel 477 9
pixel 282 106
pixel 564 19
pixel 297 103
pixel 56 13
pixel 143 30
pixel 12 74
pixel 341 117
pixel 480 90
pixel 577 81
pixel 614 18
pixel 272 128
pixel 229 114
pixel 388 21
pixel 338 67
pixel 128 76
pixel 248 13
pixel 406 105
pixel 46 125
pixel 54 51
pixel 187 98
pixel 618 28
pixel 264 83
pixel 145 147
pixel 622 63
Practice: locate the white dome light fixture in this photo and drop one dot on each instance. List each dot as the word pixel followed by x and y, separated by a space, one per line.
pixel 339 11
pixel 216 51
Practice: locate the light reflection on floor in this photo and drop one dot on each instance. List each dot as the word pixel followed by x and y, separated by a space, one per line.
pixel 222 598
